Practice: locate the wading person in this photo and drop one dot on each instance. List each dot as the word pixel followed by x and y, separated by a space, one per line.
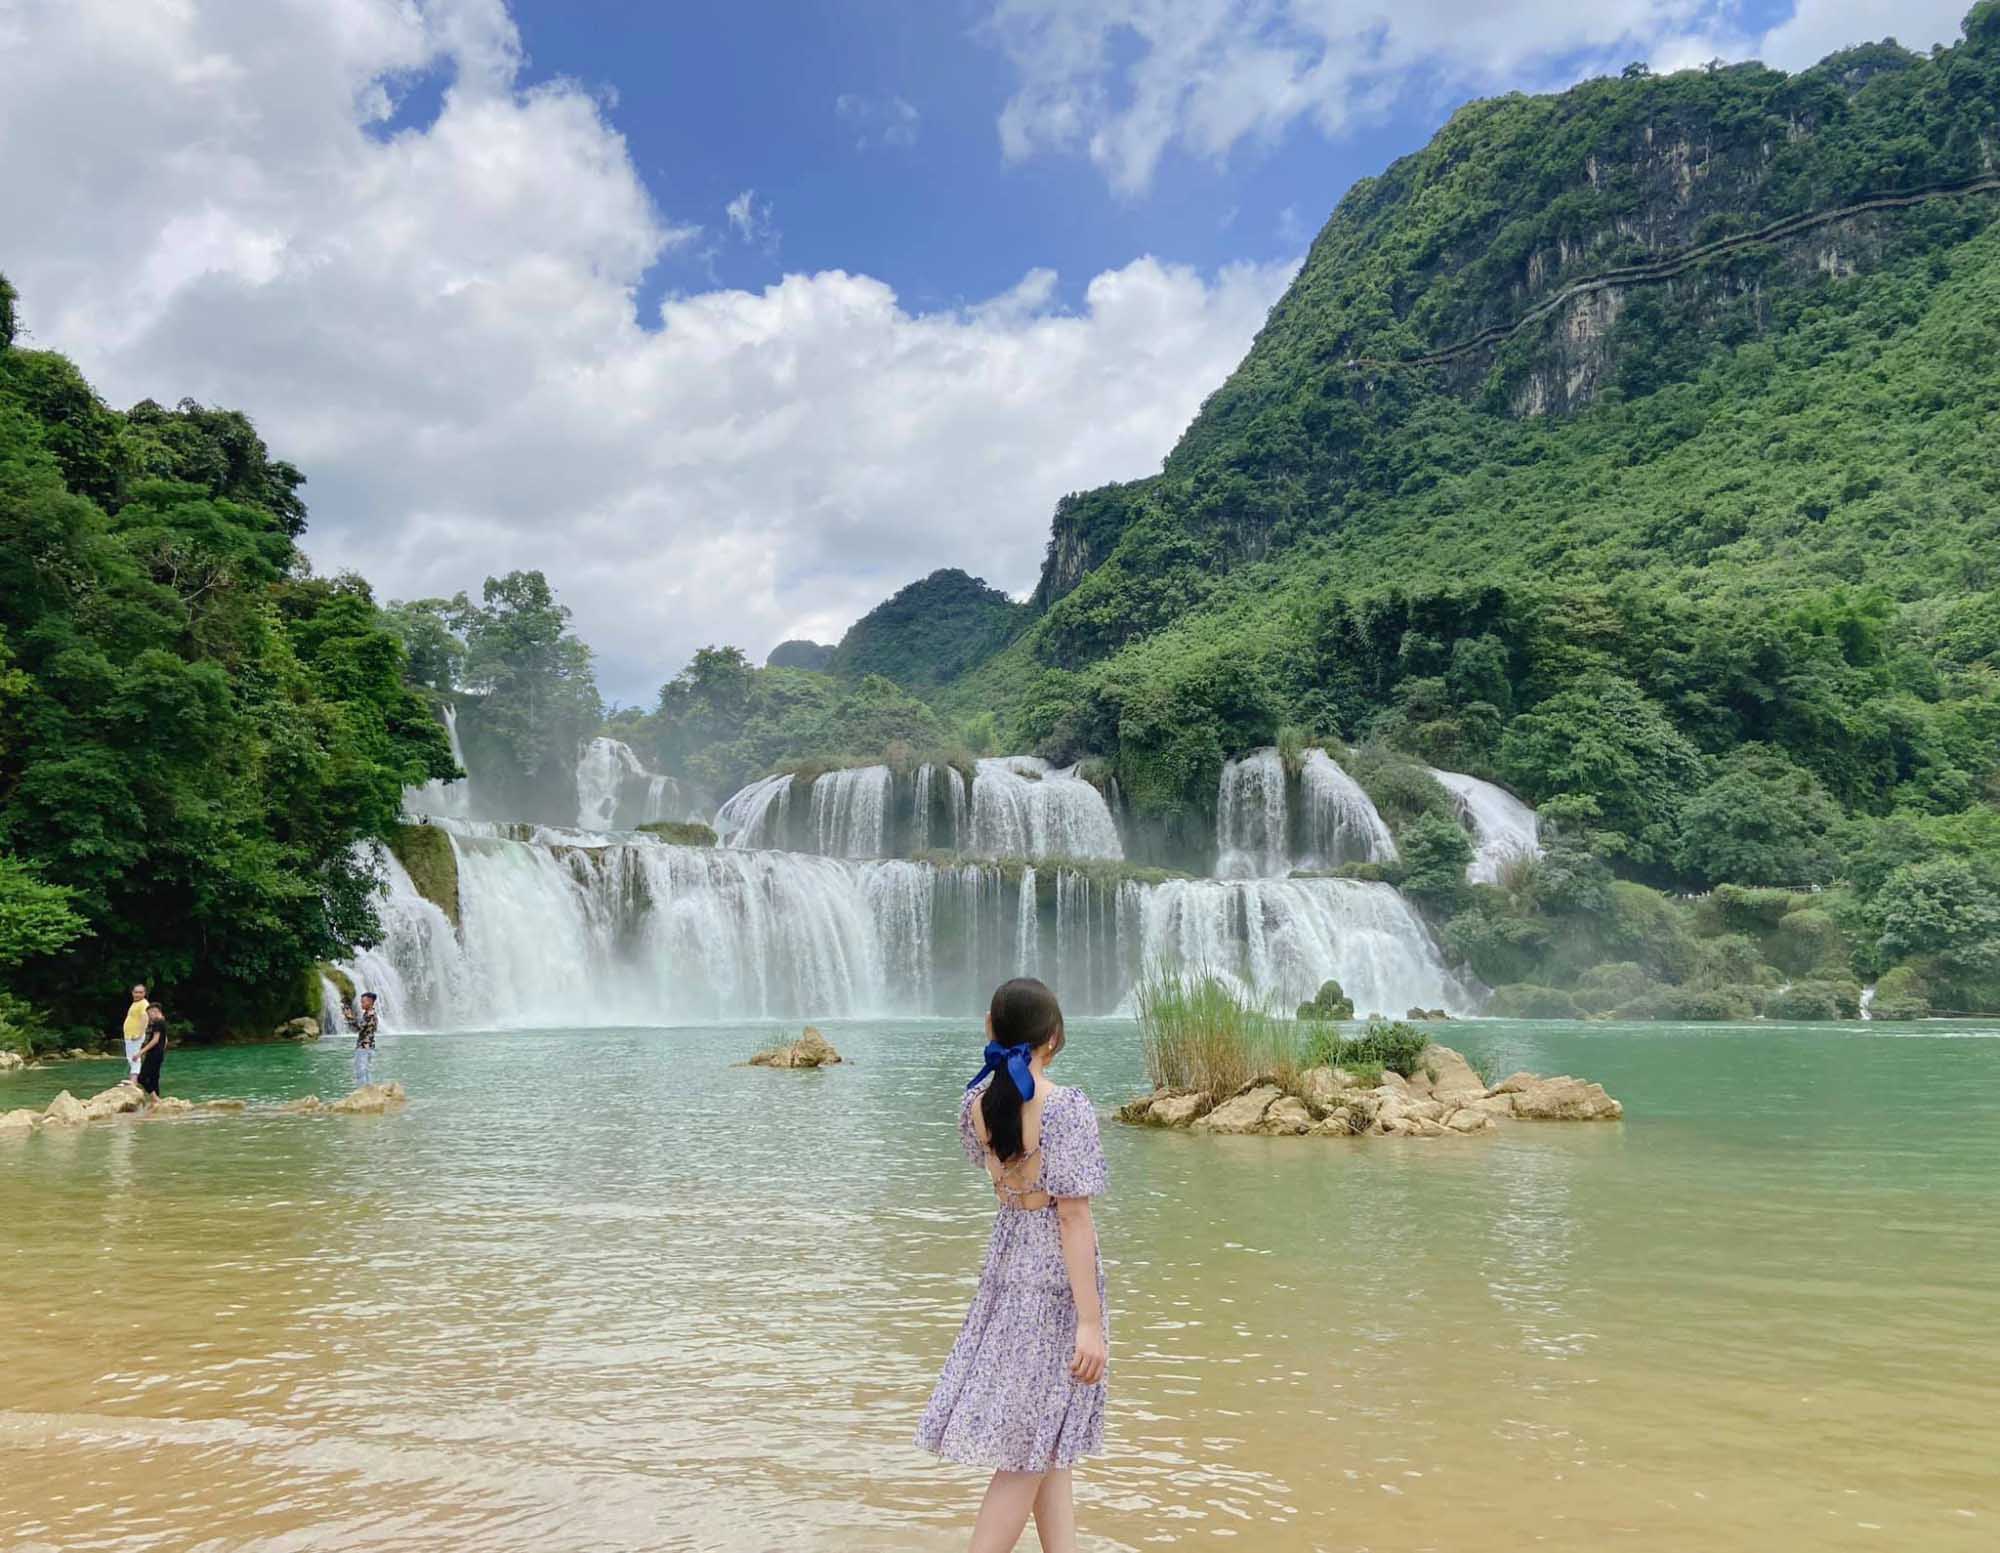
pixel 153 1050
pixel 135 1032
pixel 364 1041
pixel 1023 1390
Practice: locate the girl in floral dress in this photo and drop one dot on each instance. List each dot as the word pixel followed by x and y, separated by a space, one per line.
pixel 1023 1390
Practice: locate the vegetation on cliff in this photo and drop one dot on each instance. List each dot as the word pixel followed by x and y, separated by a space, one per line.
pixel 194 730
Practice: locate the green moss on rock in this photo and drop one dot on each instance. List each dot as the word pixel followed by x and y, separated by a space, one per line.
pixel 427 857
pixel 682 833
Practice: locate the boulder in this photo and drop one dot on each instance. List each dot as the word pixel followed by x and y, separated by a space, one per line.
pixel 22 1120
pixel 1469 1119
pixel 300 1029
pixel 369 1100
pixel 1447 1075
pixel 1493 1105
pixel 1337 1123
pixel 1240 1113
pixel 810 1050
pixel 1177 1110
pixel 309 1105
pixel 12 1061
pixel 113 1102
pixel 1287 1117
pixel 1565 1099
pixel 65 1111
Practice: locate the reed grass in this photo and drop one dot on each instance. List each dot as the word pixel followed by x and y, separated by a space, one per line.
pixel 1198 1033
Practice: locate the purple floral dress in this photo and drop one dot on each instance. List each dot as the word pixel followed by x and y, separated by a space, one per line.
pixel 1006 1399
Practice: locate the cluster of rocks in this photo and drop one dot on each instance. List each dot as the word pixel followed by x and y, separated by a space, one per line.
pixel 127 1098
pixel 13 1061
pixel 810 1050
pixel 1443 1097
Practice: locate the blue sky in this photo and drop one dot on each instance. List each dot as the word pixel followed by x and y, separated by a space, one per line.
pixel 733 318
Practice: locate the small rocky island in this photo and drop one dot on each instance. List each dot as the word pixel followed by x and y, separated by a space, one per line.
pixel 127 1099
pixel 1441 1097
pixel 810 1050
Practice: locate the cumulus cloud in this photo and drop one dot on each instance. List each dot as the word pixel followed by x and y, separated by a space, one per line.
pixel 220 198
pixel 878 122
pixel 1125 80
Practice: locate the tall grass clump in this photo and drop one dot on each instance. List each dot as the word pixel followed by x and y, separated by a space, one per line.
pixel 1198 1033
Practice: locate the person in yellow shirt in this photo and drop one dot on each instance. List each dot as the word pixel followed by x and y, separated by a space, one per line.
pixel 135 1031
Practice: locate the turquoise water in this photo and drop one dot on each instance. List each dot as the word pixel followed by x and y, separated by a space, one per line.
pixel 603 1289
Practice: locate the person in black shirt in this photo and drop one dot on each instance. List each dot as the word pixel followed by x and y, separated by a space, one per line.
pixel 364 1041
pixel 153 1050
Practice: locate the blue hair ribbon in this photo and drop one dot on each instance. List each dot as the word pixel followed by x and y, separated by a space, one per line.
pixel 1015 1060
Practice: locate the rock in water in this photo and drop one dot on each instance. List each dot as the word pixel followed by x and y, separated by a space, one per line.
pixel 65 1111
pixel 369 1100
pixel 310 1105
pixel 1446 1075
pixel 1563 1099
pixel 22 1120
pixel 1242 1112
pixel 810 1050
pixel 113 1102
pixel 300 1029
pixel 11 1060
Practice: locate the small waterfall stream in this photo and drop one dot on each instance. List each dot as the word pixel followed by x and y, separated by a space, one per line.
pixel 1503 828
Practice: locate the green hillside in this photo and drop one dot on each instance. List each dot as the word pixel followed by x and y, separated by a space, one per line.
pixel 1758 498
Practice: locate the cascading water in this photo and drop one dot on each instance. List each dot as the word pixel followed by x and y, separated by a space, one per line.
pixel 1503 828
pixel 1021 807
pixel 758 815
pixel 1257 836
pixel 850 812
pixel 1251 839
pixel 418 970
pixel 1281 938
pixel 601 771
pixel 449 800
pixel 1338 822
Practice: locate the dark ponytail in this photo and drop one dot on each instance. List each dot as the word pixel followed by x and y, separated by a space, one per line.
pixel 1024 1013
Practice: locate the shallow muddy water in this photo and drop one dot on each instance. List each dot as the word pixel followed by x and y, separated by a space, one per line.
pixel 603 1290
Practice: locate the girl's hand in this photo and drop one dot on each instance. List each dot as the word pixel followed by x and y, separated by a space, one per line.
pixel 1087 1364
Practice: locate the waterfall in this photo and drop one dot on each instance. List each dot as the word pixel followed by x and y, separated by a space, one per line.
pixel 920 827
pixel 1027 930
pixel 1251 840
pixel 632 930
pixel 601 771
pixel 417 971
pixel 850 812
pixel 1503 828
pixel 758 815
pixel 1338 822
pixel 452 800
pixel 1280 938
pixel 1023 808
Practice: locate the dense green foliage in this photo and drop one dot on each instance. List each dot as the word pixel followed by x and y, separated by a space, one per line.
pixel 929 632
pixel 194 731
pixel 799 653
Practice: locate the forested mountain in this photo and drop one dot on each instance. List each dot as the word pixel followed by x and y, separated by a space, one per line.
pixel 1751 502
pixel 928 633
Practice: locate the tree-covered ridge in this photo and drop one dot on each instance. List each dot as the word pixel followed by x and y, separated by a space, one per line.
pixel 194 731
pixel 929 632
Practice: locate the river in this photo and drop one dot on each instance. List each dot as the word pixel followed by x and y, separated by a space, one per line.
pixel 601 1289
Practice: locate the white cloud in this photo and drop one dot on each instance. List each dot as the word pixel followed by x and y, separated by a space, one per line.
pixel 436 322
pixel 1123 81
pixel 878 122
pixel 750 219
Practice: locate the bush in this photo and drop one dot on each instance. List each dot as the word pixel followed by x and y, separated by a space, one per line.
pixel 1435 852
pixel 1900 994
pixel 1400 786
pixel 1808 941
pixel 1689 1004
pixel 1330 1002
pixel 1616 982
pixel 1397 1046
pixel 1524 1000
pixel 1802 1001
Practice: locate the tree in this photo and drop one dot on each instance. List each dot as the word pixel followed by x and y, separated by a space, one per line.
pixel 1761 819
pixel 1605 738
